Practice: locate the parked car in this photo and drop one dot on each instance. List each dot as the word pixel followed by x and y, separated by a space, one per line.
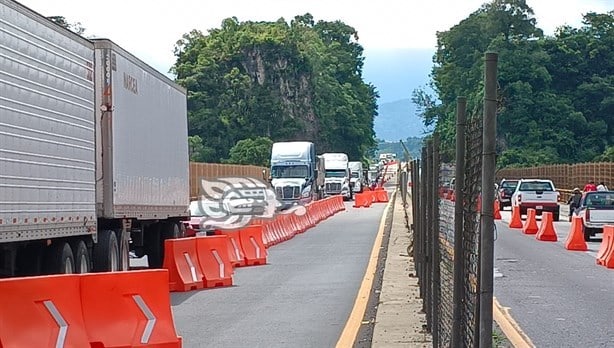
pixel 538 194
pixel 505 191
pixel 596 210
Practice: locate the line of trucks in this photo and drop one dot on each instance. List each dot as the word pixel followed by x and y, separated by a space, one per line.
pixel 94 159
pixel 93 151
pixel 299 175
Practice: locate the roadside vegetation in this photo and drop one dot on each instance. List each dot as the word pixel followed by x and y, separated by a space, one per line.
pixel 556 92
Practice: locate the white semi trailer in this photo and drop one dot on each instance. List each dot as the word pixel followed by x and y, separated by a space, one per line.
pixel 93 151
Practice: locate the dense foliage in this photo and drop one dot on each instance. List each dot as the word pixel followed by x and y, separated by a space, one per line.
pixel 556 93
pixel 256 151
pixel 284 81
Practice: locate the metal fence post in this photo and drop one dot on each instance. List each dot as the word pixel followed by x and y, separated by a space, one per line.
pixel 423 225
pixel 459 274
pixel 429 228
pixel 436 280
pixel 488 196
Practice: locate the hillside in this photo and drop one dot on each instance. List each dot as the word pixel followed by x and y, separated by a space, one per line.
pixel 398 120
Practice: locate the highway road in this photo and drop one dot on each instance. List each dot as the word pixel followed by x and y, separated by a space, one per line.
pixel 559 298
pixel 301 298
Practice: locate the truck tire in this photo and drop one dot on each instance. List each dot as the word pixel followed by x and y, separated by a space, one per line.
pixel 82 256
pixel 155 241
pixel 124 249
pixel 59 259
pixel 106 252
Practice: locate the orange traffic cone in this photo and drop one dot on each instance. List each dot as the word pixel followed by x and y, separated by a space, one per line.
pixel 530 224
pixel 515 222
pixel 497 211
pixel 546 231
pixel 575 238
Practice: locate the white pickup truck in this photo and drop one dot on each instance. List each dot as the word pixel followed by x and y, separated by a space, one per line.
pixel 596 210
pixel 537 194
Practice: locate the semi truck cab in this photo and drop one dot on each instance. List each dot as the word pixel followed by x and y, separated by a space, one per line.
pixel 293 173
pixel 337 178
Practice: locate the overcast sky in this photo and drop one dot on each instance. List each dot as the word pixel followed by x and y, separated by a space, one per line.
pixel 149 29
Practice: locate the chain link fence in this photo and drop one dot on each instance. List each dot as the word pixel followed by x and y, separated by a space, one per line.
pixel 433 203
pixel 453 232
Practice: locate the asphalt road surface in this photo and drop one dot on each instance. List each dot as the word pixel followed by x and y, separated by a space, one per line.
pixel 301 298
pixel 559 298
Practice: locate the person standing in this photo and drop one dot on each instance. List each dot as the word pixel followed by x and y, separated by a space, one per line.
pixel 602 187
pixel 574 201
pixel 590 187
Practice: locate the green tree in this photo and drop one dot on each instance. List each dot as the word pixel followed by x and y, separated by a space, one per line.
pixel 297 81
pixel 255 151
pixel 555 93
pixel 198 152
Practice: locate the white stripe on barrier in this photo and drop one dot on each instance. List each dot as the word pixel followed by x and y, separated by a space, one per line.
pixel 234 245
pixel 151 319
pixel 219 261
pixel 62 324
pixel 191 265
pixel 253 241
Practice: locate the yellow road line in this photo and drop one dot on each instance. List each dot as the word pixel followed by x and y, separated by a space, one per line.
pixel 510 328
pixel 349 333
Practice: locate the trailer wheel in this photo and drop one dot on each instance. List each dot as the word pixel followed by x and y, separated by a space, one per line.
pixel 59 259
pixel 82 257
pixel 124 249
pixel 106 252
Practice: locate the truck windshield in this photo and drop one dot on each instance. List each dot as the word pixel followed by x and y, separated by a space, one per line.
pixel 354 174
pixel 289 172
pixel 335 173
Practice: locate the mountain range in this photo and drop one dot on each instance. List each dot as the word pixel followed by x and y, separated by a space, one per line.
pixel 396 73
pixel 398 120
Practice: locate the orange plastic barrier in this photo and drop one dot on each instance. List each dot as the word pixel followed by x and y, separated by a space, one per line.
pixel 214 260
pixel 575 238
pixel 360 200
pixel 546 231
pixel 605 255
pixel 128 309
pixel 181 261
pixel 42 312
pixel 381 196
pixel 235 252
pixel 530 224
pixel 497 211
pixel 368 201
pixel 515 221
pixel 251 241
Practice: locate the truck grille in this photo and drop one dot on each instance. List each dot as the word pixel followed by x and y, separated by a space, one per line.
pixel 288 192
pixel 333 187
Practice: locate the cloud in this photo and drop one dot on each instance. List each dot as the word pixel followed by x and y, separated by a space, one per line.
pixel 149 29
